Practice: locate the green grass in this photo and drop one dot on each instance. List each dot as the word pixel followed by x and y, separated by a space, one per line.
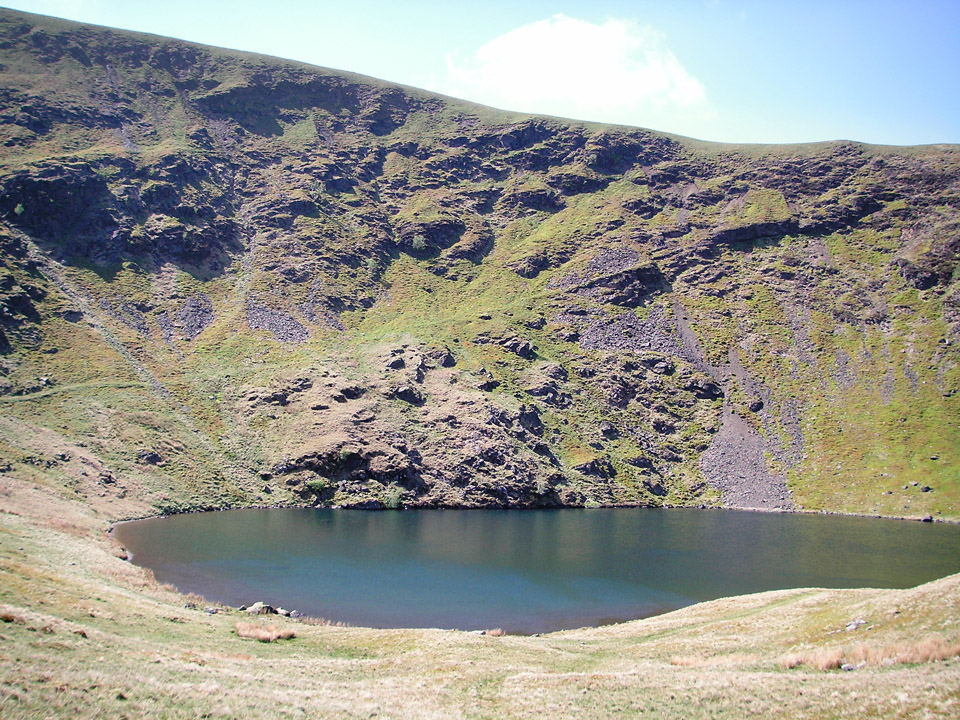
pixel 825 323
pixel 885 446
pixel 89 635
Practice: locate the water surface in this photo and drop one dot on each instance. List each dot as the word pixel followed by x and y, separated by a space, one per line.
pixel 525 570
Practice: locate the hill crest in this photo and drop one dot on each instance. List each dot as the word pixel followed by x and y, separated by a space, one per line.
pixel 230 279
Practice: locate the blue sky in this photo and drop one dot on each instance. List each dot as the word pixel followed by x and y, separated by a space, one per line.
pixel 726 70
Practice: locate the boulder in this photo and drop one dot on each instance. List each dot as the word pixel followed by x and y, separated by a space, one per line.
pixel 705 389
pixel 444 358
pixel 261 608
pixel 529 419
pixel 407 394
pixel 598 467
pixel 518 346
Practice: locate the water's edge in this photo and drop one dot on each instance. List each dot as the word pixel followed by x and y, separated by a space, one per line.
pixel 660 599
pixel 522 508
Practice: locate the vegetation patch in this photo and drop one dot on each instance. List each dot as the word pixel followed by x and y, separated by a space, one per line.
pixel 928 649
pixel 263 633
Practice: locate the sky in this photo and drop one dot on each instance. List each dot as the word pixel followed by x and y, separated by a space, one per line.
pixel 727 70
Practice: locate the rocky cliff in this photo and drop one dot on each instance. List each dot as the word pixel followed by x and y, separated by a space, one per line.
pixel 231 279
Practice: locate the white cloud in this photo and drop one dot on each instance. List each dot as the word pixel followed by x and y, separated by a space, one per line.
pixel 616 71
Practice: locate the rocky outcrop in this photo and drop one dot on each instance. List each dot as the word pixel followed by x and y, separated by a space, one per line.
pixel 377 297
pixel 617 276
pixel 512 343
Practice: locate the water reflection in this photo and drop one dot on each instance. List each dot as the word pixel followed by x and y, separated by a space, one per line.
pixel 526 571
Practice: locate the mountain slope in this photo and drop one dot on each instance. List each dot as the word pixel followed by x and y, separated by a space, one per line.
pixel 230 279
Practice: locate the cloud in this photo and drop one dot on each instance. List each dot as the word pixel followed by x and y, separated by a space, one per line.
pixel 616 71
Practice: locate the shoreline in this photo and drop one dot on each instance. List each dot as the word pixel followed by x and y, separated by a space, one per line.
pixel 775 511
pixel 129 557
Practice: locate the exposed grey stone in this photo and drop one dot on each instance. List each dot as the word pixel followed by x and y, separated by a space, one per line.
pixel 283 326
pixel 261 608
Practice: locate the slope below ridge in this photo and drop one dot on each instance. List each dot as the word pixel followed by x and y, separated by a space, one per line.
pixel 236 280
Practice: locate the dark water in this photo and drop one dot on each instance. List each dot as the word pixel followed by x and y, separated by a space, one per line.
pixel 525 571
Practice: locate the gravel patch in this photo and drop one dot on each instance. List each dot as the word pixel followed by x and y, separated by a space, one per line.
pixel 283 326
pixel 735 465
pixel 627 332
pixel 194 316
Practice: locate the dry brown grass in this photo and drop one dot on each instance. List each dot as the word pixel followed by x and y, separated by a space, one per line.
pixel 263 633
pixel 65 526
pixel 196 600
pixel 321 622
pixel 929 649
pixel 821 659
pixel 701 661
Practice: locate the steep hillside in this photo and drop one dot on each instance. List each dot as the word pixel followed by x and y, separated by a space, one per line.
pixel 229 279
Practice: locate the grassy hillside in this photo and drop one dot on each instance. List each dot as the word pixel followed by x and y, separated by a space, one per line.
pixel 87 635
pixel 232 280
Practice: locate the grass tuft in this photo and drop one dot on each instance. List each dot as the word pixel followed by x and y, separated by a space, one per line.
pixel 929 649
pixel 819 659
pixel 321 622
pixel 702 661
pixel 264 633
